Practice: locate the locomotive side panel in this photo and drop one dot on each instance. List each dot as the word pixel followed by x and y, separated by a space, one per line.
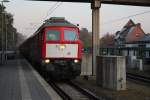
pixel 39 46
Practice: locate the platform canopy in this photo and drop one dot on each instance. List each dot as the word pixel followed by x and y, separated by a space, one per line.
pixel 120 2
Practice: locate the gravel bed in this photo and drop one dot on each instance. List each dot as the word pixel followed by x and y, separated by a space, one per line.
pixel 134 91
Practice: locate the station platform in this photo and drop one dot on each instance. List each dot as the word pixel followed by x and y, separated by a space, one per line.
pixel 19 81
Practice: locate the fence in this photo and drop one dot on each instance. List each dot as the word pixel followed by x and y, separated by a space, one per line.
pixel 143 53
pixel 6 55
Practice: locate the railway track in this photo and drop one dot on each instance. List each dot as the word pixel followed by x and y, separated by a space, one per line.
pixel 138 78
pixel 61 93
pixel 71 91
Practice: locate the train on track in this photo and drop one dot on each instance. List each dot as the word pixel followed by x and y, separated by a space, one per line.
pixel 56 48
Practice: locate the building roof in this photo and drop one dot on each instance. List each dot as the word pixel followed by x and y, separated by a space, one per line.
pixel 130 23
pixel 146 38
pixel 125 30
pixel 130 32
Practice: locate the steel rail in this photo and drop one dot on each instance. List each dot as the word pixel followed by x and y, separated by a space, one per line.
pixel 60 92
pixel 138 77
pixel 85 92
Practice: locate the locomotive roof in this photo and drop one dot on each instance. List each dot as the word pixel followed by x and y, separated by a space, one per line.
pixel 58 21
pixel 55 21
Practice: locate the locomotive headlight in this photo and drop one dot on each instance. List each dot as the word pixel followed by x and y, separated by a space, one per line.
pixel 47 61
pixel 62 46
pixel 76 61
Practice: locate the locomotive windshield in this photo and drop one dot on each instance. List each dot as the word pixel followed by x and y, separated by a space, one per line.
pixel 53 35
pixel 70 35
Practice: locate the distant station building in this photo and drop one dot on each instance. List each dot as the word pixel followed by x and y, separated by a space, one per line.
pixel 130 41
pixel 143 44
pixel 132 36
pixel 131 32
pixel 134 43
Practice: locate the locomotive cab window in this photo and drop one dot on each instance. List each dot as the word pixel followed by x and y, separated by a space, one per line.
pixel 52 35
pixel 70 35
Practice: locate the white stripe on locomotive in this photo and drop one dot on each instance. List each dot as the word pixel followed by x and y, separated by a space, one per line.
pixel 56 51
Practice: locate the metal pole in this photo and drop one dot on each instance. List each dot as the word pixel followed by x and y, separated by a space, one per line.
pixel 95 5
pixel 2 55
pixel 13 40
pixel 6 38
pixel 3 32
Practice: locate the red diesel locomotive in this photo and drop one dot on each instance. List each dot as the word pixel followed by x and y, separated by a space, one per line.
pixel 56 47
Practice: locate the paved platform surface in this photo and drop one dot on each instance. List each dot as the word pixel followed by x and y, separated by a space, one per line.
pixel 19 81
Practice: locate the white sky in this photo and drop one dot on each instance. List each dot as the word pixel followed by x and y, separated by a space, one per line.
pixel 29 15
